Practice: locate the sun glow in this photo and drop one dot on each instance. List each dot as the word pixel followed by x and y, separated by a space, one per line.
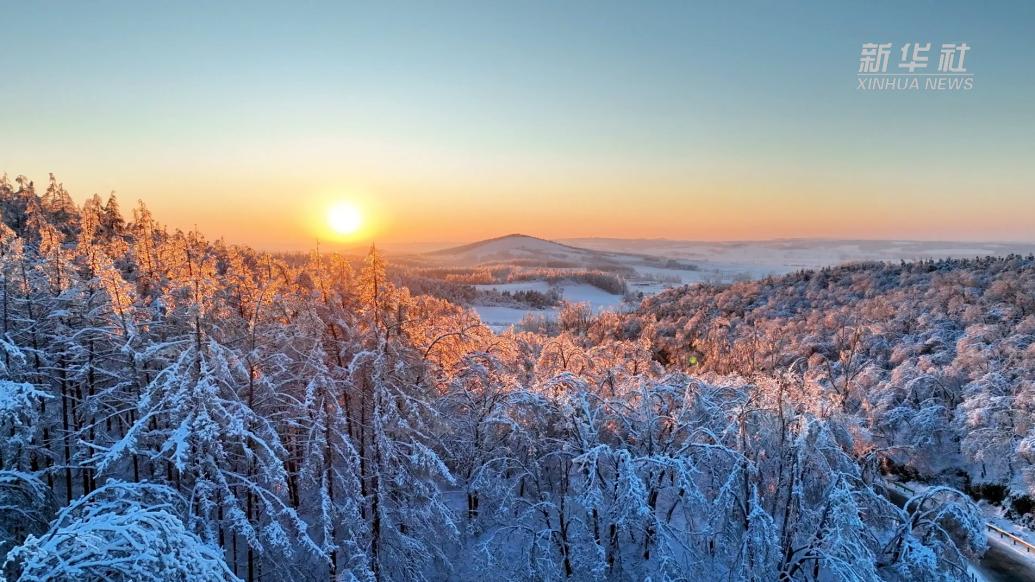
pixel 344 218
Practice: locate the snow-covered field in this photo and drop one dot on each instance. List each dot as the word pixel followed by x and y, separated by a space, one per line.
pixel 597 298
pixel 572 292
pixel 501 317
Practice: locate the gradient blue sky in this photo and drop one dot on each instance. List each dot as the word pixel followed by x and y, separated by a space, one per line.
pixel 449 121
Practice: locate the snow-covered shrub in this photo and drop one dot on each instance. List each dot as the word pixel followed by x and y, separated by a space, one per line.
pixel 120 532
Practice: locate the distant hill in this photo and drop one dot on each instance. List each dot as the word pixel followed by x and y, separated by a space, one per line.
pixel 518 246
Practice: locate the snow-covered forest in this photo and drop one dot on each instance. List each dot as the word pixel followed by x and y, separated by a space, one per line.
pixel 175 408
pixel 934 359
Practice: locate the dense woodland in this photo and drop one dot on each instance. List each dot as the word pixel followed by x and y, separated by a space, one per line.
pixel 175 408
pixel 934 359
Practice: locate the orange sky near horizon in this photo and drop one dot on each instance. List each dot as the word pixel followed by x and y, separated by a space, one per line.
pixel 292 216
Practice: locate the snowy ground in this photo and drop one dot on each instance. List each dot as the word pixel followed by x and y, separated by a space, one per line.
pixel 571 292
pixel 500 318
pixel 598 299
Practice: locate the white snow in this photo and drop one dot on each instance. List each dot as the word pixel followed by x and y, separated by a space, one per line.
pixel 597 298
pixel 500 318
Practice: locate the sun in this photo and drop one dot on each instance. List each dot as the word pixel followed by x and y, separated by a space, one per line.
pixel 344 218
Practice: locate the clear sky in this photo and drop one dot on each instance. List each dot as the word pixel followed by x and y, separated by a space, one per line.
pixel 454 122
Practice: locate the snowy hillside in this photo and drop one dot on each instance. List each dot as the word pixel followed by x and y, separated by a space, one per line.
pixel 543 273
pixel 517 246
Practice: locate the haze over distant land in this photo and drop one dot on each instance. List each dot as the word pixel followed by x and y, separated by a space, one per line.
pixel 850 249
pixel 784 255
pixel 723 260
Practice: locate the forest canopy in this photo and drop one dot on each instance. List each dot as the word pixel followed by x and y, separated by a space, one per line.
pixel 179 408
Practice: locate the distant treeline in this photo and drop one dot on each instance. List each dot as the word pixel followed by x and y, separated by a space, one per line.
pixel 611 280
